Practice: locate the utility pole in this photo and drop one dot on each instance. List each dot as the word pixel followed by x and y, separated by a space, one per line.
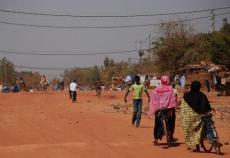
pixel 140 52
pixel 5 74
pixel 149 38
pixel 213 19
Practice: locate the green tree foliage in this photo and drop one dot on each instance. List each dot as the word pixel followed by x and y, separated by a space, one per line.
pixel 173 46
pixel 106 62
pixel 31 79
pixel 112 69
pixel 219 45
pixel 226 27
pixel 7 72
pixel 83 76
pixel 179 46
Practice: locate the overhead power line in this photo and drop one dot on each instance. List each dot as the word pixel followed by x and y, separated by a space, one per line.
pixel 65 54
pixel 76 27
pixel 41 68
pixel 100 27
pixel 50 68
pixel 110 16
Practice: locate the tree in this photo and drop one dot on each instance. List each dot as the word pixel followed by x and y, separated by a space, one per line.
pixel 225 26
pixel 172 46
pixel 83 76
pixel 216 45
pixel 31 79
pixel 179 46
pixel 7 72
pixel 106 62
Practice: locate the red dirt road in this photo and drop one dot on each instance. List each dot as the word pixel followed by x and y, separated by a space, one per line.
pixel 48 125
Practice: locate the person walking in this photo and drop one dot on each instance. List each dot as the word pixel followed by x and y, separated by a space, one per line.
pixel 207 84
pixel 137 89
pixel 98 87
pixel 22 85
pixel 73 90
pixel 163 101
pixel 194 104
pixel 44 82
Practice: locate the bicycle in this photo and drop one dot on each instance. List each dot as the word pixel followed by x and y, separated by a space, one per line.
pixel 162 114
pixel 210 137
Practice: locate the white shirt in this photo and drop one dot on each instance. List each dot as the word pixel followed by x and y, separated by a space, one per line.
pixel 73 86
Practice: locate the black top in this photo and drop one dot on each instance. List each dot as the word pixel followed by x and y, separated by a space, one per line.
pixel 198 101
pixel 98 85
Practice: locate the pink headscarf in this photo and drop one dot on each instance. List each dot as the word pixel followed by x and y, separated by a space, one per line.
pixel 162 97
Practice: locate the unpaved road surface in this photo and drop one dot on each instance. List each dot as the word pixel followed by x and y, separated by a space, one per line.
pixel 48 125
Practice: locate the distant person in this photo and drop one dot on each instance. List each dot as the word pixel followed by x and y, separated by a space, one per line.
pixel 73 90
pixel 207 84
pixel 62 85
pixel 163 101
pixel 137 89
pixel 183 81
pixel 44 83
pixel 177 79
pixel 129 80
pixel 175 91
pixel 98 87
pixel 22 84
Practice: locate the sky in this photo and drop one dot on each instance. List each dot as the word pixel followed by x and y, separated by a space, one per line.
pixel 37 40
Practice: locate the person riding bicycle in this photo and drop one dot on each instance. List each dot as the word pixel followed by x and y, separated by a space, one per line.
pixel 193 107
pixel 44 82
pixel 163 101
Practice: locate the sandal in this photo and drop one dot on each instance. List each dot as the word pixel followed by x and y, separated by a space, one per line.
pixel 155 142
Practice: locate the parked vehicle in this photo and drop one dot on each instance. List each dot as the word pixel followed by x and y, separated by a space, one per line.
pixel 10 88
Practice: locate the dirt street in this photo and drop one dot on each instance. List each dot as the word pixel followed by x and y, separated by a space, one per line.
pixel 48 125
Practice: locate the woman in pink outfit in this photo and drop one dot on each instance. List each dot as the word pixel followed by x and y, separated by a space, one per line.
pixel 163 100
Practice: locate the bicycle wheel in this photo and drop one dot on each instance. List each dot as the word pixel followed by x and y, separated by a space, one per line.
pixel 166 132
pixel 207 145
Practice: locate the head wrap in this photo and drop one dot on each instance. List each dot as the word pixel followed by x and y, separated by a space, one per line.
pixel 197 100
pixel 162 96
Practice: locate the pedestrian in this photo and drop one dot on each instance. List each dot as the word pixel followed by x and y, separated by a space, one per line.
pixel 44 82
pixel 98 87
pixel 177 79
pixel 62 85
pixel 163 101
pixel 183 82
pixel 194 104
pixel 22 84
pixel 137 89
pixel 73 90
pixel 175 91
pixel 207 84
